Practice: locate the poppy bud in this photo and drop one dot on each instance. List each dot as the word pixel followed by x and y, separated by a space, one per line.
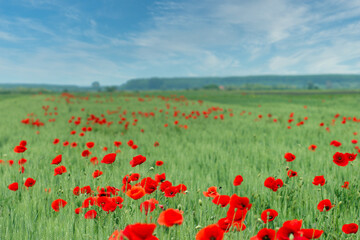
pixel 179 207
pixel 151 169
pixel 200 202
pixel 198 227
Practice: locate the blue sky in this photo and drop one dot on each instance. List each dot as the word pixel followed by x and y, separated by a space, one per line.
pixel 111 41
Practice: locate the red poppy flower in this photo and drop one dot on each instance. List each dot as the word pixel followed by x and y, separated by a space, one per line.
pixel 22 161
pixel 59 170
pixel 109 158
pixel 57 160
pixel 97 173
pixel 23 143
pixel 156 144
pixel 94 160
pixel 76 191
pixel 136 192
pixel 289 157
pixel 265 234
pixel 86 189
pixel 211 232
pixel 139 231
pixel 57 204
pixel 164 185
pixel 86 153
pixel 319 180
pixel 240 202
pixel 74 144
pixel 289 228
pixel 130 143
pixel 78 210
pixel 312 147
pixel 134 177
pixel 350 156
pixel 91 214
pixel 11 162
pixel 56 141
pixel 346 185
pixel 273 184
pixel 354 141
pixel 222 200
pixel 211 192
pixel 66 143
pixel 269 215
pixel 134 146
pixel 20 149
pixel 137 160
pixel 149 185
pixel 90 144
pixel 29 182
pixel 160 177
pixel 148 206
pixel 335 143
pixel 291 173
pixel 171 191
pixel 117 143
pixel 170 217
pixel 14 186
pixel 340 159
pixel 159 163
pixel 238 180
pixel 350 228
pixel 312 233
pixel 324 204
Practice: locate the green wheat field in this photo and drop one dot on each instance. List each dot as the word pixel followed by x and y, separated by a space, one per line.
pixel 204 138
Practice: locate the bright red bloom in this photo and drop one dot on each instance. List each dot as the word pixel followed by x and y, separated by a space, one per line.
pixel 137 160
pixel 117 143
pixel 346 185
pixel 97 173
pixel 86 153
pixel 22 161
pixel 130 143
pixel 57 204
pixel 29 182
pixel 289 157
pixel 91 214
pixel 136 192
pixel 222 200
pixel 23 143
pixel 160 177
pixel 139 231
pixel 335 143
pixel 78 210
pixel 324 204
pixel 265 234
pixel 90 144
pixel 76 191
pixel 134 177
pixel 240 202
pixel 269 215
pixel 340 159
pixel 290 228
pixel 354 141
pixel 56 141
pixel 350 228
pixel 170 217
pixel 312 233
pixel 94 160
pixel 149 185
pixel 171 191
pixel 109 158
pixel 148 206
pixel 291 173
pixel 211 192
pixel 156 144
pixel 159 163
pixel 312 147
pixel 319 180
pixel 273 184
pixel 57 160
pixel 20 149
pixel 211 232
pixel 350 156
pixel 238 180
pixel 60 170
pixel 14 186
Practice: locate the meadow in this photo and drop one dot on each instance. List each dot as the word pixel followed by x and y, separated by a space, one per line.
pixel 204 139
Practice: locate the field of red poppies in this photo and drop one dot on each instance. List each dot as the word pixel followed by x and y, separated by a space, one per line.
pixel 179 165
